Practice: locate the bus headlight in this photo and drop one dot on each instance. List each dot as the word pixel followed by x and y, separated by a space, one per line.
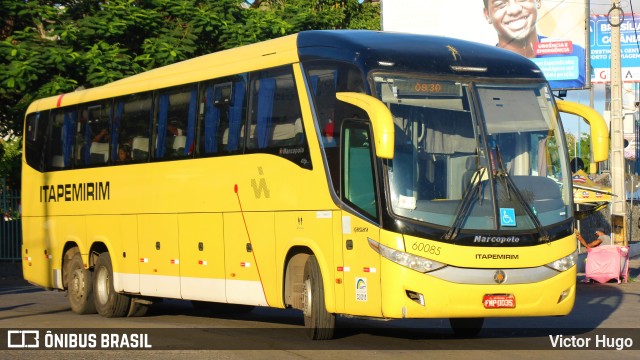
pixel 413 262
pixel 564 263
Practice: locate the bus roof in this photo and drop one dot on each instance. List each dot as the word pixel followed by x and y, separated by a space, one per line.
pixel 413 52
pixel 369 49
pixel 219 64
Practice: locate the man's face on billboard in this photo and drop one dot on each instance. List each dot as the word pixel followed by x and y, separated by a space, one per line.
pixel 512 19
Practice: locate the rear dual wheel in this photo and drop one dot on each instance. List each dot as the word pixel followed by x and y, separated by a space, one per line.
pixel 108 302
pixel 79 286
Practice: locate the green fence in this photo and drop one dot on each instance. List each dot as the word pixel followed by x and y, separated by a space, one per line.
pixel 10 223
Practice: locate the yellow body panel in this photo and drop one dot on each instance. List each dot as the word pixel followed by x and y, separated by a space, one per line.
pixel 159 254
pixel 201 255
pixel 37 268
pixel 183 205
pixel 361 267
pixel 445 299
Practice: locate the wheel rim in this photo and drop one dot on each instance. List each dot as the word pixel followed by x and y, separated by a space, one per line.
pixel 102 285
pixel 307 298
pixel 77 284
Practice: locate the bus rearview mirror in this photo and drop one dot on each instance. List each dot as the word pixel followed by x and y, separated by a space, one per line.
pixel 599 130
pixel 380 117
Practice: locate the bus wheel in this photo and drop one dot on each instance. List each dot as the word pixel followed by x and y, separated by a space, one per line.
pixel 466 327
pixel 80 286
pixel 319 323
pixel 108 302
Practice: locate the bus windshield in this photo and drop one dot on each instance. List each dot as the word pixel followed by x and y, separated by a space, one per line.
pixel 475 156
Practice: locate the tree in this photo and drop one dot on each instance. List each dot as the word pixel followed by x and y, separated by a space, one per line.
pixel 53 47
pixel 10 161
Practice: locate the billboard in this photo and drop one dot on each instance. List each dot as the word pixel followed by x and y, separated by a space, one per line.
pixel 600 41
pixel 551 33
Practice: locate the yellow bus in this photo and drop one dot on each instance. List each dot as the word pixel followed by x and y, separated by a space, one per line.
pixel 359 173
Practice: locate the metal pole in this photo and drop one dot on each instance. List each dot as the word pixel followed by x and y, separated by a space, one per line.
pixel 631 209
pixel 618 212
pixel 592 164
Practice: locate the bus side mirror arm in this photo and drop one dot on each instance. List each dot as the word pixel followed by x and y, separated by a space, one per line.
pixel 380 117
pixel 599 130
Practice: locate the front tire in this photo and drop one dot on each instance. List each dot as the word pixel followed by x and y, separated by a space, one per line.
pixel 320 324
pixel 80 286
pixel 108 302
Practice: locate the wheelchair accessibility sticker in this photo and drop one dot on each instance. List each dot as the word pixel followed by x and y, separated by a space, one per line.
pixel 507 217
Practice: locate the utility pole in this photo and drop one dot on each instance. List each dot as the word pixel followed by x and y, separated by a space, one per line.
pixel 618 208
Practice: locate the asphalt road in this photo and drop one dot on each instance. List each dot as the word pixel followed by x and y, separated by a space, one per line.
pixel 605 317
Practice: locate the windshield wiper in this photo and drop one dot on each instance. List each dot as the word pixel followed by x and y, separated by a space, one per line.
pixel 465 205
pixel 510 185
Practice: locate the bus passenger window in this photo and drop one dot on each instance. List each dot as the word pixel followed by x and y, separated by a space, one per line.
pixel 275 121
pixel 55 147
pixel 219 130
pixel 35 139
pixel 175 122
pixel 275 111
pixel 94 134
pixel 132 120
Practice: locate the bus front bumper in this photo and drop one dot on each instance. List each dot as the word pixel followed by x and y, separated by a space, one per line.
pixel 410 294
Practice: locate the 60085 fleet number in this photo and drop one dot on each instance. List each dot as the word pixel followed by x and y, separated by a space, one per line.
pixel 426 248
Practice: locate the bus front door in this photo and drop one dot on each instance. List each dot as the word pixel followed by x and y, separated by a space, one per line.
pixel 361 264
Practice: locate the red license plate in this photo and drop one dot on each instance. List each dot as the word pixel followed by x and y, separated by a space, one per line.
pixel 500 301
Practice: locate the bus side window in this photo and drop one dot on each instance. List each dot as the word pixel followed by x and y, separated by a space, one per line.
pixel 93 134
pixel 237 113
pixel 175 122
pixel 82 139
pixel 130 128
pixel 55 159
pixel 275 125
pixel 223 107
pixel 275 113
pixel 35 139
pixel 62 140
